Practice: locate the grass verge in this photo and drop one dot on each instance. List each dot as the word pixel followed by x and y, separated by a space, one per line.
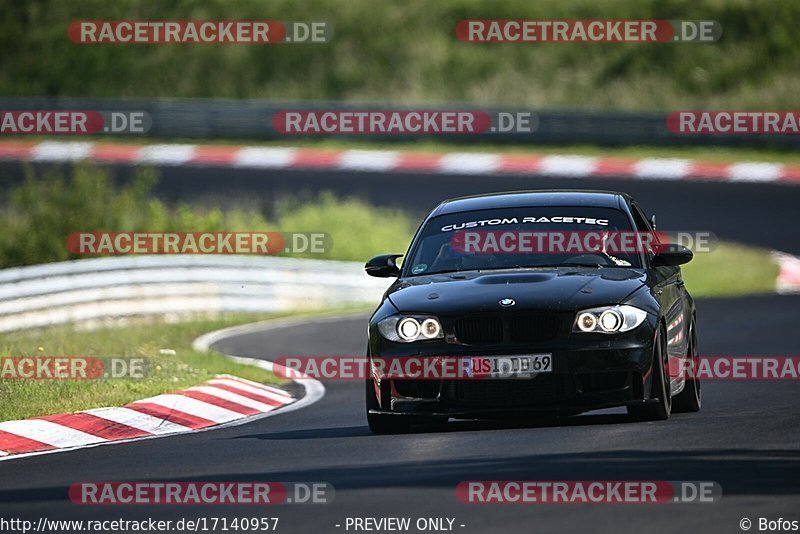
pixel 731 270
pixel 143 339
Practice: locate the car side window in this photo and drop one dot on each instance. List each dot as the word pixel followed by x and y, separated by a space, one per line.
pixel 641 221
pixel 642 225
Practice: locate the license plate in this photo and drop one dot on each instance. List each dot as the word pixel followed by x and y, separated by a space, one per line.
pixel 523 366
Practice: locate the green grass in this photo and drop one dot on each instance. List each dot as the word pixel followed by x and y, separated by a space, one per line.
pixel 142 339
pixel 406 52
pixel 731 270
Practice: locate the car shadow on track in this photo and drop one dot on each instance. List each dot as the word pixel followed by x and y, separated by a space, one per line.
pixel 452 426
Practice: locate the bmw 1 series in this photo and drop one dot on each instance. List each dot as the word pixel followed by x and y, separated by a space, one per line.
pixel 523 304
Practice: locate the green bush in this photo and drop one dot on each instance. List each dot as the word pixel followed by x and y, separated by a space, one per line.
pixel 358 230
pixel 38 216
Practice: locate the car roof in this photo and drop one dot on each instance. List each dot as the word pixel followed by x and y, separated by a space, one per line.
pixel 522 199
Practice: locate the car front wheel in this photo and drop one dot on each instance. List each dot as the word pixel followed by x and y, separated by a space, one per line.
pixel 690 399
pixel 382 423
pixel 660 405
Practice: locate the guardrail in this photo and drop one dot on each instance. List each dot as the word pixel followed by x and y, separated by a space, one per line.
pixel 252 119
pixel 166 285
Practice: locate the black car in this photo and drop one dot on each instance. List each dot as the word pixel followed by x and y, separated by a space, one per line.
pixel 543 330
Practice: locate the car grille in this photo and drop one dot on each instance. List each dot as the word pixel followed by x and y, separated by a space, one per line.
pixel 533 328
pixel 479 330
pixel 516 328
pixel 543 389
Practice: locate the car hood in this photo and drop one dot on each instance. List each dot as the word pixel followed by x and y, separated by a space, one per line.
pixel 531 289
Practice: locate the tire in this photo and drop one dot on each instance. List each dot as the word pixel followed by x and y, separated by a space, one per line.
pixel 380 423
pixel 659 386
pixel 690 399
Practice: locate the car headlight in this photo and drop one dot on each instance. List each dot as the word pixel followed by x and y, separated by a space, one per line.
pixel 407 329
pixel 609 319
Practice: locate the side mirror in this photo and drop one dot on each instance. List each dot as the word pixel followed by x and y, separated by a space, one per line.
pixel 671 255
pixel 653 221
pixel 383 266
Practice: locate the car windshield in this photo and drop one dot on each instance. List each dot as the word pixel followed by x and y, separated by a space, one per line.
pixel 509 238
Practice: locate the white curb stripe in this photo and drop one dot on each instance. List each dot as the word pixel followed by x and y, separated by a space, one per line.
pixel 662 168
pixel 266 158
pixel 468 163
pixel 60 151
pixel 754 172
pixel 166 154
pixel 788 280
pixel 241 386
pixel 233 397
pixel 194 407
pixel 138 420
pixel 568 165
pixel 257 385
pixel 49 433
pixel 368 160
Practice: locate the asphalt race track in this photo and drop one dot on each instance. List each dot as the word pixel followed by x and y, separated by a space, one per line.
pixel 746 438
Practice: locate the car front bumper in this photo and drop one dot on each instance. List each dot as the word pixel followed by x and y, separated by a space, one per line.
pixel 590 371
